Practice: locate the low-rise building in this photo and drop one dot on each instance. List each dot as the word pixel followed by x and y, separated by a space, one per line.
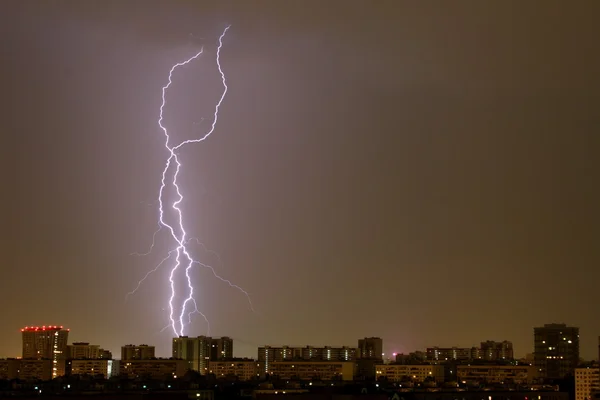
pixel 243 369
pixel 158 368
pixel 413 373
pixel 137 352
pixel 309 370
pixel 82 350
pixel 522 374
pixel 444 354
pixel 587 381
pixel 91 367
pixel 31 370
pixel 9 368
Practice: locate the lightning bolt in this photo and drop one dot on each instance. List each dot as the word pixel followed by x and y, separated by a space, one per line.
pixel 183 257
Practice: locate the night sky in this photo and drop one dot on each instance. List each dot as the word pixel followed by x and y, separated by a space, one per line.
pixel 425 172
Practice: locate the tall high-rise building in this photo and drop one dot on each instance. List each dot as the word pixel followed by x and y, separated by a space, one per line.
pixel 141 352
pixel 371 348
pixel 196 350
pixel 221 348
pixel 495 351
pixel 556 350
pixel 46 343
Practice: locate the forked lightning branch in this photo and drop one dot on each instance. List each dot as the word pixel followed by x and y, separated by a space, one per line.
pixel 182 301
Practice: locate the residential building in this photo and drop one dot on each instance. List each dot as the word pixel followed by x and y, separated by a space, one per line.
pixel 309 370
pixel 46 343
pixel 371 348
pixel 92 367
pixel 269 354
pixel 221 348
pixel 137 352
pixel 105 354
pixel 416 357
pixel 158 368
pixel 443 354
pixel 82 350
pixel 496 351
pixel 196 350
pixel 556 350
pixel 242 368
pixel 9 369
pixel 519 374
pixel 44 370
pixel 587 381
pixel 410 373
pixel 307 353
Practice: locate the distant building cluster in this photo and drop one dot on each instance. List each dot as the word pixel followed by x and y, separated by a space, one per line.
pixel 46 355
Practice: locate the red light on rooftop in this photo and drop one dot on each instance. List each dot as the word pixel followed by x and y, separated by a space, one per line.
pixel 42 328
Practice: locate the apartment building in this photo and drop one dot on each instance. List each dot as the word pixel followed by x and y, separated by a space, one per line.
pixel 92 367
pixel 243 369
pixel 587 381
pixel 410 373
pixel 520 374
pixel 309 370
pixel 158 368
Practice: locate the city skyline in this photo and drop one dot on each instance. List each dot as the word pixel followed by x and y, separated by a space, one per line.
pixel 370 347
pixel 422 173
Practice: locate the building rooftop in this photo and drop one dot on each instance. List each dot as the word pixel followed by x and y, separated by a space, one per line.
pixel 42 328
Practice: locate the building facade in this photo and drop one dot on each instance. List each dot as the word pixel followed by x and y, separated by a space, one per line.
pixel 556 350
pixel 371 348
pixel 82 350
pixel 44 370
pixel 46 343
pixel 199 351
pixel 269 354
pixel 137 352
pixel 415 357
pixel 243 369
pixel 310 370
pixel 410 373
pixel 91 367
pixel 9 368
pixel 587 382
pixel 496 351
pixel 157 368
pixel 503 374
pixel 443 354
pixel 195 350
pixel 221 348
pixel 327 353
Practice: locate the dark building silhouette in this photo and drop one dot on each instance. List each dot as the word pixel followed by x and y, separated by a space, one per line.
pixel 443 354
pixel 371 348
pixel 221 348
pixel 556 350
pixel 496 351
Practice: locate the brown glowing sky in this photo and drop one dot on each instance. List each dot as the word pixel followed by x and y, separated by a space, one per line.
pixel 421 171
